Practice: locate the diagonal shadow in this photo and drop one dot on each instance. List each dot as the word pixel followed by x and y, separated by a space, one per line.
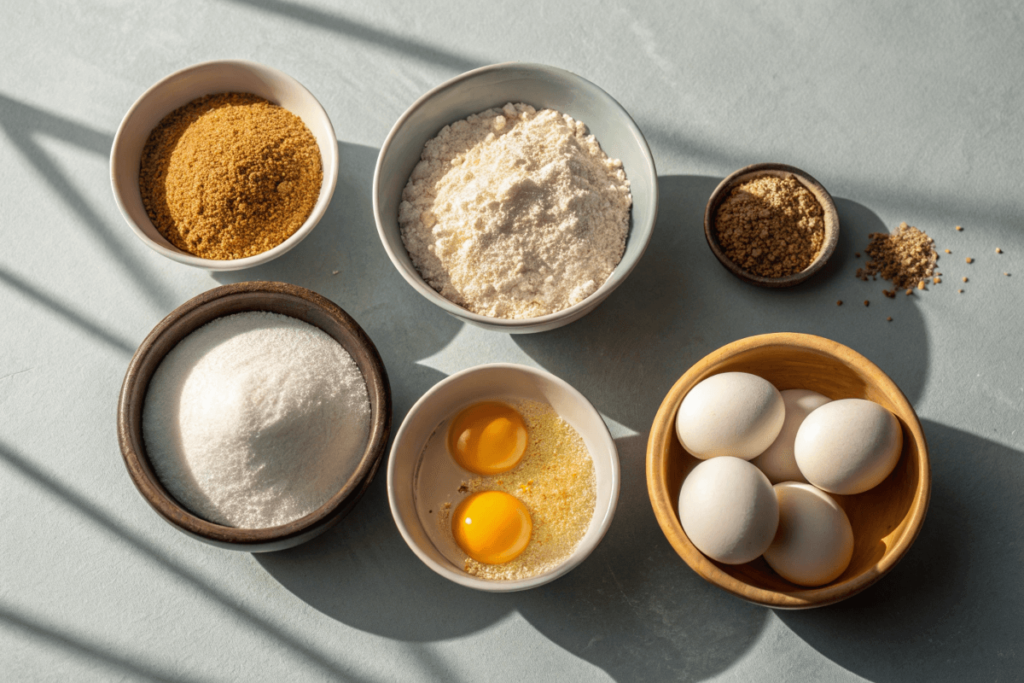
pixel 89 510
pixel 938 208
pixel 57 307
pixel 70 643
pixel 22 123
pixel 418 50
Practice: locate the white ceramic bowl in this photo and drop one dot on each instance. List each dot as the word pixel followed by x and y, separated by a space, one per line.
pixel 179 89
pixel 543 87
pixel 495 381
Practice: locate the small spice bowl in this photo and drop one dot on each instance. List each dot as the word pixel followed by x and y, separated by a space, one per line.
pixel 831 218
pixel 543 87
pixel 885 519
pixel 273 297
pixel 494 382
pixel 179 89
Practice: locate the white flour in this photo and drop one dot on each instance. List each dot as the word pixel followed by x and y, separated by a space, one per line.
pixel 255 420
pixel 515 213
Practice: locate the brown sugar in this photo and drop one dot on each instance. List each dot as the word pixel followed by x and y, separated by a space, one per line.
pixel 228 176
pixel 905 257
pixel 771 226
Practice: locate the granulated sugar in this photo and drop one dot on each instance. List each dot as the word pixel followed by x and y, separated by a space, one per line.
pixel 515 213
pixel 255 420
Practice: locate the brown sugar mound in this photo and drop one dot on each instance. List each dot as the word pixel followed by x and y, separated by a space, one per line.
pixel 906 257
pixel 771 226
pixel 229 176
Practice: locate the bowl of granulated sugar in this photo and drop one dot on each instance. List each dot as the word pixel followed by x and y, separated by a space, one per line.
pixel 224 165
pixel 516 197
pixel 254 416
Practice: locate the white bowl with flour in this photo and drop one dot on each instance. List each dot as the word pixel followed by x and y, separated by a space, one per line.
pixel 541 87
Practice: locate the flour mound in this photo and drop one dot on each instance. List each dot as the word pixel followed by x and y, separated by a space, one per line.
pixel 515 213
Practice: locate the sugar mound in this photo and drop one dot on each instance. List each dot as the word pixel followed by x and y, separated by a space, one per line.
pixel 255 420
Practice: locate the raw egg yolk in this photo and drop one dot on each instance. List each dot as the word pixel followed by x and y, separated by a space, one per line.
pixel 492 527
pixel 488 438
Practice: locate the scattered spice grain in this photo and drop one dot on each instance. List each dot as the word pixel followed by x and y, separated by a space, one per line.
pixel 889 318
pixel 959 229
pixel 965 279
pixel 960 291
pixel 229 176
pixel 998 250
pixel 970 260
pixel 906 257
pixel 948 251
pixel 771 226
pixel 839 303
pixel 866 302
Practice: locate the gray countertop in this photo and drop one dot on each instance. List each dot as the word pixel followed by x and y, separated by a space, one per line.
pixel 905 113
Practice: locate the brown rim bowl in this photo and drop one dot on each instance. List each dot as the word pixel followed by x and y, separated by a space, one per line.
pixel 885 520
pixel 783 171
pixel 274 297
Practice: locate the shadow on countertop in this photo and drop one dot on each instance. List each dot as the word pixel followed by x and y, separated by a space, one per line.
pixel 633 608
pixel 951 610
pixel 681 304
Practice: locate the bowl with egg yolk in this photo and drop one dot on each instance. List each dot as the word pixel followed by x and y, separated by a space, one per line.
pixel 466 478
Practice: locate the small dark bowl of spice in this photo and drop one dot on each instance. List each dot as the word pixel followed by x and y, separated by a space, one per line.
pixel 224 165
pixel 771 225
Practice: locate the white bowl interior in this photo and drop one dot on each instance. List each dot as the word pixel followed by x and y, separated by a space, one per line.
pixel 542 87
pixel 495 382
pixel 179 89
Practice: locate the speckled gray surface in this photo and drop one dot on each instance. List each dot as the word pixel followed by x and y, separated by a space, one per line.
pixel 904 113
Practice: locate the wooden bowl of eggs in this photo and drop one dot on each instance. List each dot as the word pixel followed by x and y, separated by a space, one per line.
pixel 858 405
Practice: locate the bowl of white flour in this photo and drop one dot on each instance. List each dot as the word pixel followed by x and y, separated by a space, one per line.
pixel 516 197
pixel 254 416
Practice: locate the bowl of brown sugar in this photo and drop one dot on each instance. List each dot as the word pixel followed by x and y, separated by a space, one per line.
pixel 224 165
pixel 771 225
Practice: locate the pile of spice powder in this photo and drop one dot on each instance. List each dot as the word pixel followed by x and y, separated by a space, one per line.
pixel 229 176
pixel 770 226
pixel 556 481
pixel 906 257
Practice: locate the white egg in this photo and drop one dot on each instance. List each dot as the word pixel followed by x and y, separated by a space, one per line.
pixel 814 542
pixel 728 510
pixel 732 414
pixel 778 462
pixel 848 446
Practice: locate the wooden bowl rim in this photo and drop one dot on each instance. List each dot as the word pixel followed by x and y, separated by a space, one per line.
pixel 166 506
pixel 663 431
pixel 816 188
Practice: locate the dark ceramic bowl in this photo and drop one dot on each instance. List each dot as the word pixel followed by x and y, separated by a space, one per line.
pixel 782 171
pixel 273 297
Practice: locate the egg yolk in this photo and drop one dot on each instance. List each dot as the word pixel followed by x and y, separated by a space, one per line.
pixel 488 438
pixel 492 527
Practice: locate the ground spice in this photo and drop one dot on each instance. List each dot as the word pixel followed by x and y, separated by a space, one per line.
pixel 770 226
pixel 905 257
pixel 229 176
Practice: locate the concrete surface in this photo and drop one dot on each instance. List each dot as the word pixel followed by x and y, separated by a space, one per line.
pixel 904 112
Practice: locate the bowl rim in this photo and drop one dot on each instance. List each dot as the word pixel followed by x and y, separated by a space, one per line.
pixel 582 551
pixel 377 386
pixel 828 206
pixel 327 186
pixel 619 274
pixel 663 432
